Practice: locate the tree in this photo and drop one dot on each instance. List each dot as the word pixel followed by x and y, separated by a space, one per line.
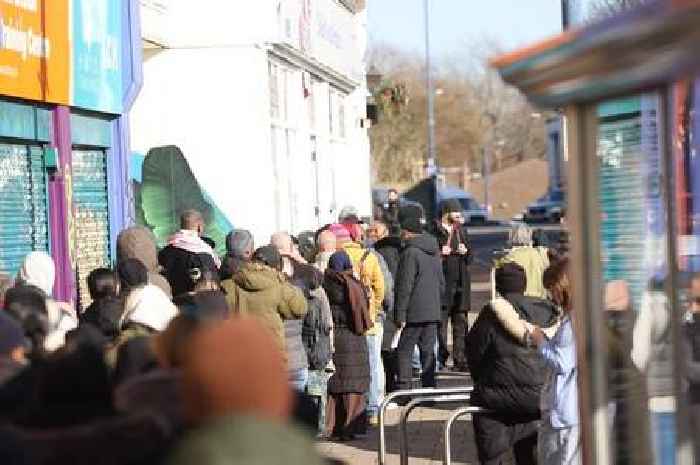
pixel 466 92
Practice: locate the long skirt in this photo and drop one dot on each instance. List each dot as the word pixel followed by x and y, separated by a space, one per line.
pixel 345 415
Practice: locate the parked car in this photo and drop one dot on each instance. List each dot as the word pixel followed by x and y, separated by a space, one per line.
pixel 549 208
pixel 474 213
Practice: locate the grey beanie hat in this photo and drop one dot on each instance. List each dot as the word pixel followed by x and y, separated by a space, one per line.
pixel 239 241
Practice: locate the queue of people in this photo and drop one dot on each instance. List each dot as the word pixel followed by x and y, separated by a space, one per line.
pixel 181 350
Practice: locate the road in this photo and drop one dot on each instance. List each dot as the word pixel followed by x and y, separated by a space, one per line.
pixel 425 427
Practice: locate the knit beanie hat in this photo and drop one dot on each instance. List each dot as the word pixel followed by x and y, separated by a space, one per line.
pixel 212 369
pixel 238 242
pixel 268 255
pixel 411 218
pixel 342 234
pixel 11 334
pixel 510 279
pixel 355 230
pixel 132 273
pixel 349 214
pixel 451 206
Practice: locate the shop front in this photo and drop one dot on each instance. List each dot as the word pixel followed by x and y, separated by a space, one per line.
pixel 628 87
pixel 69 72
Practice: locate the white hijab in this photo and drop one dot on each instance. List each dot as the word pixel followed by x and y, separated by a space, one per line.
pixel 149 306
pixel 38 270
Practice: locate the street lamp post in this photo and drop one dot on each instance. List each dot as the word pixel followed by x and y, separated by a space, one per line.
pixel 486 170
pixel 565 14
pixel 432 162
pixel 486 157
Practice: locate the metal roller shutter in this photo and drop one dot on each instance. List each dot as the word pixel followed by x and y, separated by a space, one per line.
pixel 23 204
pixel 91 215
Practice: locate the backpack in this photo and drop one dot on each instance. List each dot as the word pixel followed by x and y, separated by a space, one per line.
pixel 316 337
pixel 360 272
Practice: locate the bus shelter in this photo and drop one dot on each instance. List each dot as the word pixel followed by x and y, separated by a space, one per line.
pixel 629 88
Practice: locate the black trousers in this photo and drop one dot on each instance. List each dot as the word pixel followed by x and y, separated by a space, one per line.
pixel 390 360
pixel 496 435
pixel 425 336
pixel 459 334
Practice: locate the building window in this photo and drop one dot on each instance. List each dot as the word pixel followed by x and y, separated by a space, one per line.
pixel 274 91
pixel 336 112
pixel 341 116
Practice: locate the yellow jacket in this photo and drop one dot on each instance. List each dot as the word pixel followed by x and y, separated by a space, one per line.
pixel 534 261
pixel 370 273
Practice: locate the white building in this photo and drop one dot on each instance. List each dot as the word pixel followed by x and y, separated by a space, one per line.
pixel 267 101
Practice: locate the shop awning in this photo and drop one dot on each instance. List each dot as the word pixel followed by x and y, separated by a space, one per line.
pixel 644 48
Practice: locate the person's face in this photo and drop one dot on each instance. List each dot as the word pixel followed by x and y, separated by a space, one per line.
pixel 376 232
pixel 695 293
pixel 19 355
pixel 393 196
pixel 457 217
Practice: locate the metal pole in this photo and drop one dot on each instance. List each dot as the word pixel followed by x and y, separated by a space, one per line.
pixel 408 393
pixel 565 14
pixel 403 422
pixel 432 163
pixel 487 175
pixel 447 455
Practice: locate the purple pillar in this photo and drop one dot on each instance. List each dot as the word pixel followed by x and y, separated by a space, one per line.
pixel 61 211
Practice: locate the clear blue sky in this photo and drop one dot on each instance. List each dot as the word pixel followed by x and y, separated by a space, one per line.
pixel 456 23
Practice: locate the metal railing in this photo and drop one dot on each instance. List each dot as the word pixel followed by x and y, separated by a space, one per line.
pixel 403 423
pixel 409 393
pixel 447 453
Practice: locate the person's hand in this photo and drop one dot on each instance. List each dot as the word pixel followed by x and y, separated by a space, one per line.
pixel 538 336
pixel 446 250
pixel 462 249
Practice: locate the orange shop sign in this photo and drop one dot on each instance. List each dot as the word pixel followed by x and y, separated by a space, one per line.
pixel 35 50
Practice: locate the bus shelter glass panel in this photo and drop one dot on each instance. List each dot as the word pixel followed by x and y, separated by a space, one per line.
pixel 638 317
pixel 685 143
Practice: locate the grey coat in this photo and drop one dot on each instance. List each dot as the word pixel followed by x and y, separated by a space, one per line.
pixel 296 353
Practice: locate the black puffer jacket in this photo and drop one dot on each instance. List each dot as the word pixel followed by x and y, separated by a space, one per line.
pixel 419 281
pixel 390 248
pixel 508 377
pixel 178 265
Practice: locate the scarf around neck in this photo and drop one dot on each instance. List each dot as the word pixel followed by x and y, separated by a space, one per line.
pixel 191 242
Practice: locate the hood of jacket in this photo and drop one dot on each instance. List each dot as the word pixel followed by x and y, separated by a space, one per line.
pixel 389 241
pixel 537 311
pixel 425 243
pixel 257 277
pixel 140 243
pixel 149 306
